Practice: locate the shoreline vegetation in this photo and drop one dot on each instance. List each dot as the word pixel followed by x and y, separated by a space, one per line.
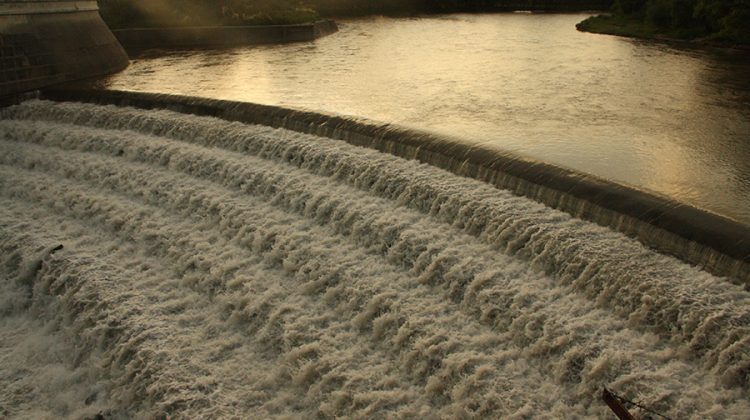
pixel 703 22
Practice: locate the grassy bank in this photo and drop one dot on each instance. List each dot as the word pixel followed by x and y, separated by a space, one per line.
pixel 621 26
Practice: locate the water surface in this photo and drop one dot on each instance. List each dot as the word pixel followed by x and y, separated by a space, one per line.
pixel 671 120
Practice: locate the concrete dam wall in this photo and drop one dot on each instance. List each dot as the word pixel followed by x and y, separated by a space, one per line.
pixel 716 244
pixel 47 42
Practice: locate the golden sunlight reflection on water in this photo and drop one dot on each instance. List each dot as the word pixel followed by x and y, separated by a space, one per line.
pixel 673 121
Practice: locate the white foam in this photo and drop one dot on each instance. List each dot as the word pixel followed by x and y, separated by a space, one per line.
pixel 216 269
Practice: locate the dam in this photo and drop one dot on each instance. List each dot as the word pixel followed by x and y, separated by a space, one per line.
pixel 166 255
pixel 43 43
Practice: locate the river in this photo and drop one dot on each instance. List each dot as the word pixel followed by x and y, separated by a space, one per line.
pixel 671 120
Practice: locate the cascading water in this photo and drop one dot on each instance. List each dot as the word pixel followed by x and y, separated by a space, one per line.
pixel 213 268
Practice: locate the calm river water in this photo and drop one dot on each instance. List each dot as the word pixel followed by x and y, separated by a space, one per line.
pixel 673 121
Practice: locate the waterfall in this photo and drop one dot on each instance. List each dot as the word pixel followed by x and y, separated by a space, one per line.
pixel 717 244
pixel 218 268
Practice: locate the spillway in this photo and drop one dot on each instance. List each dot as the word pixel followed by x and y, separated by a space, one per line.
pixel 157 263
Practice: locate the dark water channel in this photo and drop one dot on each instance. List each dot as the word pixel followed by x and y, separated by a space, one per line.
pixel 668 119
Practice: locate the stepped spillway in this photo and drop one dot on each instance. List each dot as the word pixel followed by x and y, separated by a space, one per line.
pixel 156 262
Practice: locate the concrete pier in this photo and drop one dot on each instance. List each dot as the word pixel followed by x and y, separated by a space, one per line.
pixel 48 42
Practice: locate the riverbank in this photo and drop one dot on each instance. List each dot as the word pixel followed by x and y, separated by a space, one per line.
pixel 138 40
pixel 706 22
pixel 633 28
pixel 617 25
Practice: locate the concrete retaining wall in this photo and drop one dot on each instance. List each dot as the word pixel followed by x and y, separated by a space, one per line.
pixel 48 42
pixel 138 40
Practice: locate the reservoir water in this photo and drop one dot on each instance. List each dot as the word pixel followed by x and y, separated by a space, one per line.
pixel 671 120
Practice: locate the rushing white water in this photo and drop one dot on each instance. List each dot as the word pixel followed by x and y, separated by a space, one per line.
pixel 221 269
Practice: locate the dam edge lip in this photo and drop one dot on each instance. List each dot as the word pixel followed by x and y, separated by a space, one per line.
pixel 726 237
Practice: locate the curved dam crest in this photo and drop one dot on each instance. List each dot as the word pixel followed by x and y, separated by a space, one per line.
pixel 715 243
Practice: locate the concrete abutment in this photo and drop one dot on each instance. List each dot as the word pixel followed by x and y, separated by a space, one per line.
pixel 43 43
